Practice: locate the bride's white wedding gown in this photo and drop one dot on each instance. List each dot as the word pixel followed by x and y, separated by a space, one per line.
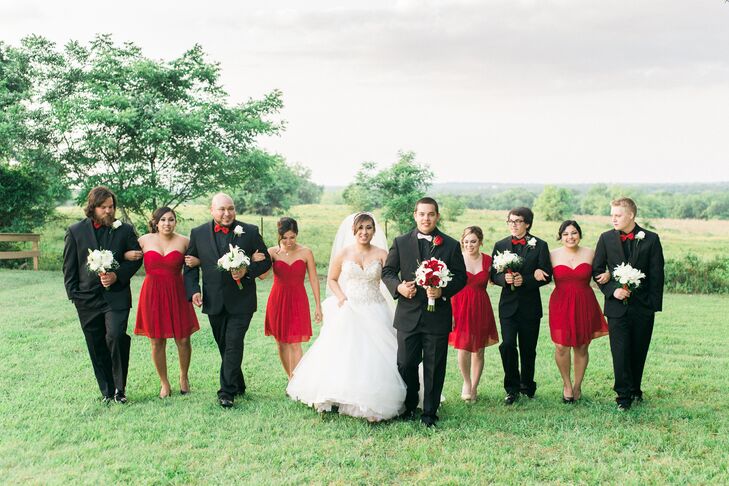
pixel 353 362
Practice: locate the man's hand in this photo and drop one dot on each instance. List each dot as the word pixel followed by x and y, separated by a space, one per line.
pixel 239 274
pixel 107 279
pixel 434 292
pixel 407 289
pixel 621 294
pixel 518 279
pixel 197 299
pixel 509 277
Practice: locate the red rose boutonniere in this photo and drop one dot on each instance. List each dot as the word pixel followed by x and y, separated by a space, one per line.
pixel 437 241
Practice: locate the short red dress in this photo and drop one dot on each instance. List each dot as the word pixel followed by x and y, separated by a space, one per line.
pixel 287 312
pixel 163 310
pixel 475 326
pixel 575 318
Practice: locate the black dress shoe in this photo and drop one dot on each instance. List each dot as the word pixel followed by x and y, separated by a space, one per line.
pixel 120 397
pixel 638 397
pixel 225 402
pixel 510 398
pixel 623 407
pixel 407 415
pixel 428 421
pixel 108 399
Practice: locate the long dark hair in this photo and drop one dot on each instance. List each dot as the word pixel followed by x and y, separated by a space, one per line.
pixel 563 226
pixel 96 198
pixel 157 215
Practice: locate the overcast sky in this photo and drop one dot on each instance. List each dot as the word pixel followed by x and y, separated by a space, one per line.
pixel 485 90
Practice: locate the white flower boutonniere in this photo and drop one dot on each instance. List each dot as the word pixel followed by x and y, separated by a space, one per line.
pixel 238 230
pixel 116 224
pixel 532 242
pixel 639 236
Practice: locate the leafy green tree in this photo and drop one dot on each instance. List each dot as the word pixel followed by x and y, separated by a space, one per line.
pixel 159 133
pixel 555 203
pixel 281 187
pixel 451 207
pixel 400 186
pixel 511 198
pixel 362 194
pixel 596 200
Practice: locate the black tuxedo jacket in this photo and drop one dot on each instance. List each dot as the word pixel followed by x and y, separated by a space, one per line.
pixel 402 262
pixel 219 290
pixel 84 287
pixel 647 256
pixel 526 297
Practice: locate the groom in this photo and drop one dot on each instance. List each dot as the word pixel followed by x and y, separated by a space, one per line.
pixel 422 335
pixel 630 314
pixel 229 308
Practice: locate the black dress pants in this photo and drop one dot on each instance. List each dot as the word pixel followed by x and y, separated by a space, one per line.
pixel 524 331
pixel 630 338
pixel 105 331
pixel 432 349
pixel 229 331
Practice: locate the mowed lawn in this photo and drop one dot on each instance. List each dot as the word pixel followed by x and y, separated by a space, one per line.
pixel 56 430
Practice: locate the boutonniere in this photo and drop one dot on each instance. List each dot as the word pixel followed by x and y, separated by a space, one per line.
pixel 437 241
pixel 532 242
pixel 639 236
pixel 116 224
pixel 238 230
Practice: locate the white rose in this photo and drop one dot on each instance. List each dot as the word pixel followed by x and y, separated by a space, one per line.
pixel 640 235
pixel 238 230
pixel 532 242
pixel 116 224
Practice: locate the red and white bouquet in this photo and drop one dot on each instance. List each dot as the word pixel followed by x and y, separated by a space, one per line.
pixel 235 259
pixel 628 277
pixel 432 273
pixel 100 262
pixel 508 262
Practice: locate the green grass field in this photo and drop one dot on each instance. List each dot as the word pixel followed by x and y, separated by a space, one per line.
pixel 55 429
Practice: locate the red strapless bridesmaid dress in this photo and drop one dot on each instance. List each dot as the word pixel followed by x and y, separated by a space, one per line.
pixel 164 311
pixel 574 313
pixel 475 326
pixel 287 312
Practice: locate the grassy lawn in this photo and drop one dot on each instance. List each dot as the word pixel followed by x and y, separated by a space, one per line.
pixel 55 429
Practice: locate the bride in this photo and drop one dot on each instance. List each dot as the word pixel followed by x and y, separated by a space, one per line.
pixel 352 365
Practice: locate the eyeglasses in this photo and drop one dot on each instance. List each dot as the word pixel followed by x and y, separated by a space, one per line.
pixel 515 221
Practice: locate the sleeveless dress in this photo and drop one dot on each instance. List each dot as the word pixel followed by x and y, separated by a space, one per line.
pixel 287 312
pixel 353 362
pixel 163 310
pixel 475 325
pixel 574 313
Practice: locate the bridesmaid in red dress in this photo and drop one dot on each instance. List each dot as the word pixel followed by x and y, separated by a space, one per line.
pixel 287 311
pixel 575 318
pixel 163 311
pixel 473 317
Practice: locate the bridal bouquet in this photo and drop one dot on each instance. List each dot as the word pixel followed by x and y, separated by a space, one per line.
pixel 628 277
pixel 432 273
pixel 508 262
pixel 100 262
pixel 235 259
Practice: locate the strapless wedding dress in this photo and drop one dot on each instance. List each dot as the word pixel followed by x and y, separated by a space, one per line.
pixel 353 362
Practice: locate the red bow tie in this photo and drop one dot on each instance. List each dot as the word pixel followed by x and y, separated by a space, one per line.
pixel 629 236
pixel 224 229
pixel 96 225
pixel 521 241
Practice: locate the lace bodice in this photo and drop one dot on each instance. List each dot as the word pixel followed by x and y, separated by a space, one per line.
pixel 361 286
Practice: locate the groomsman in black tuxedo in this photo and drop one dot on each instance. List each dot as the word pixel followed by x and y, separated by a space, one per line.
pixel 520 310
pixel 630 314
pixel 102 301
pixel 423 335
pixel 229 308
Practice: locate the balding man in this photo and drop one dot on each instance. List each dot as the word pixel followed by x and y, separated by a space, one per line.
pixel 229 308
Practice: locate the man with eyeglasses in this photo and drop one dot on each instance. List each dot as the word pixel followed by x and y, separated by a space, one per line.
pixel 520 309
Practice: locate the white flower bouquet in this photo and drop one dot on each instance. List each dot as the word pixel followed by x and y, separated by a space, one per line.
pixel 235 259
pixel 432 273
pixel 100 262
pixel 627 276
pixel 508 262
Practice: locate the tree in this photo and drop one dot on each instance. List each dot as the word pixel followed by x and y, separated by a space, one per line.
pixel 400 187
pixel 512 198
pixel 362 194
pixel 159 133
pixel 451 207
pixel 281 187
pixel 596 200
pixel 555 203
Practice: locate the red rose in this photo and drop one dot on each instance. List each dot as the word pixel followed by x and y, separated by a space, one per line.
pixel 435 281
pixel 438 240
